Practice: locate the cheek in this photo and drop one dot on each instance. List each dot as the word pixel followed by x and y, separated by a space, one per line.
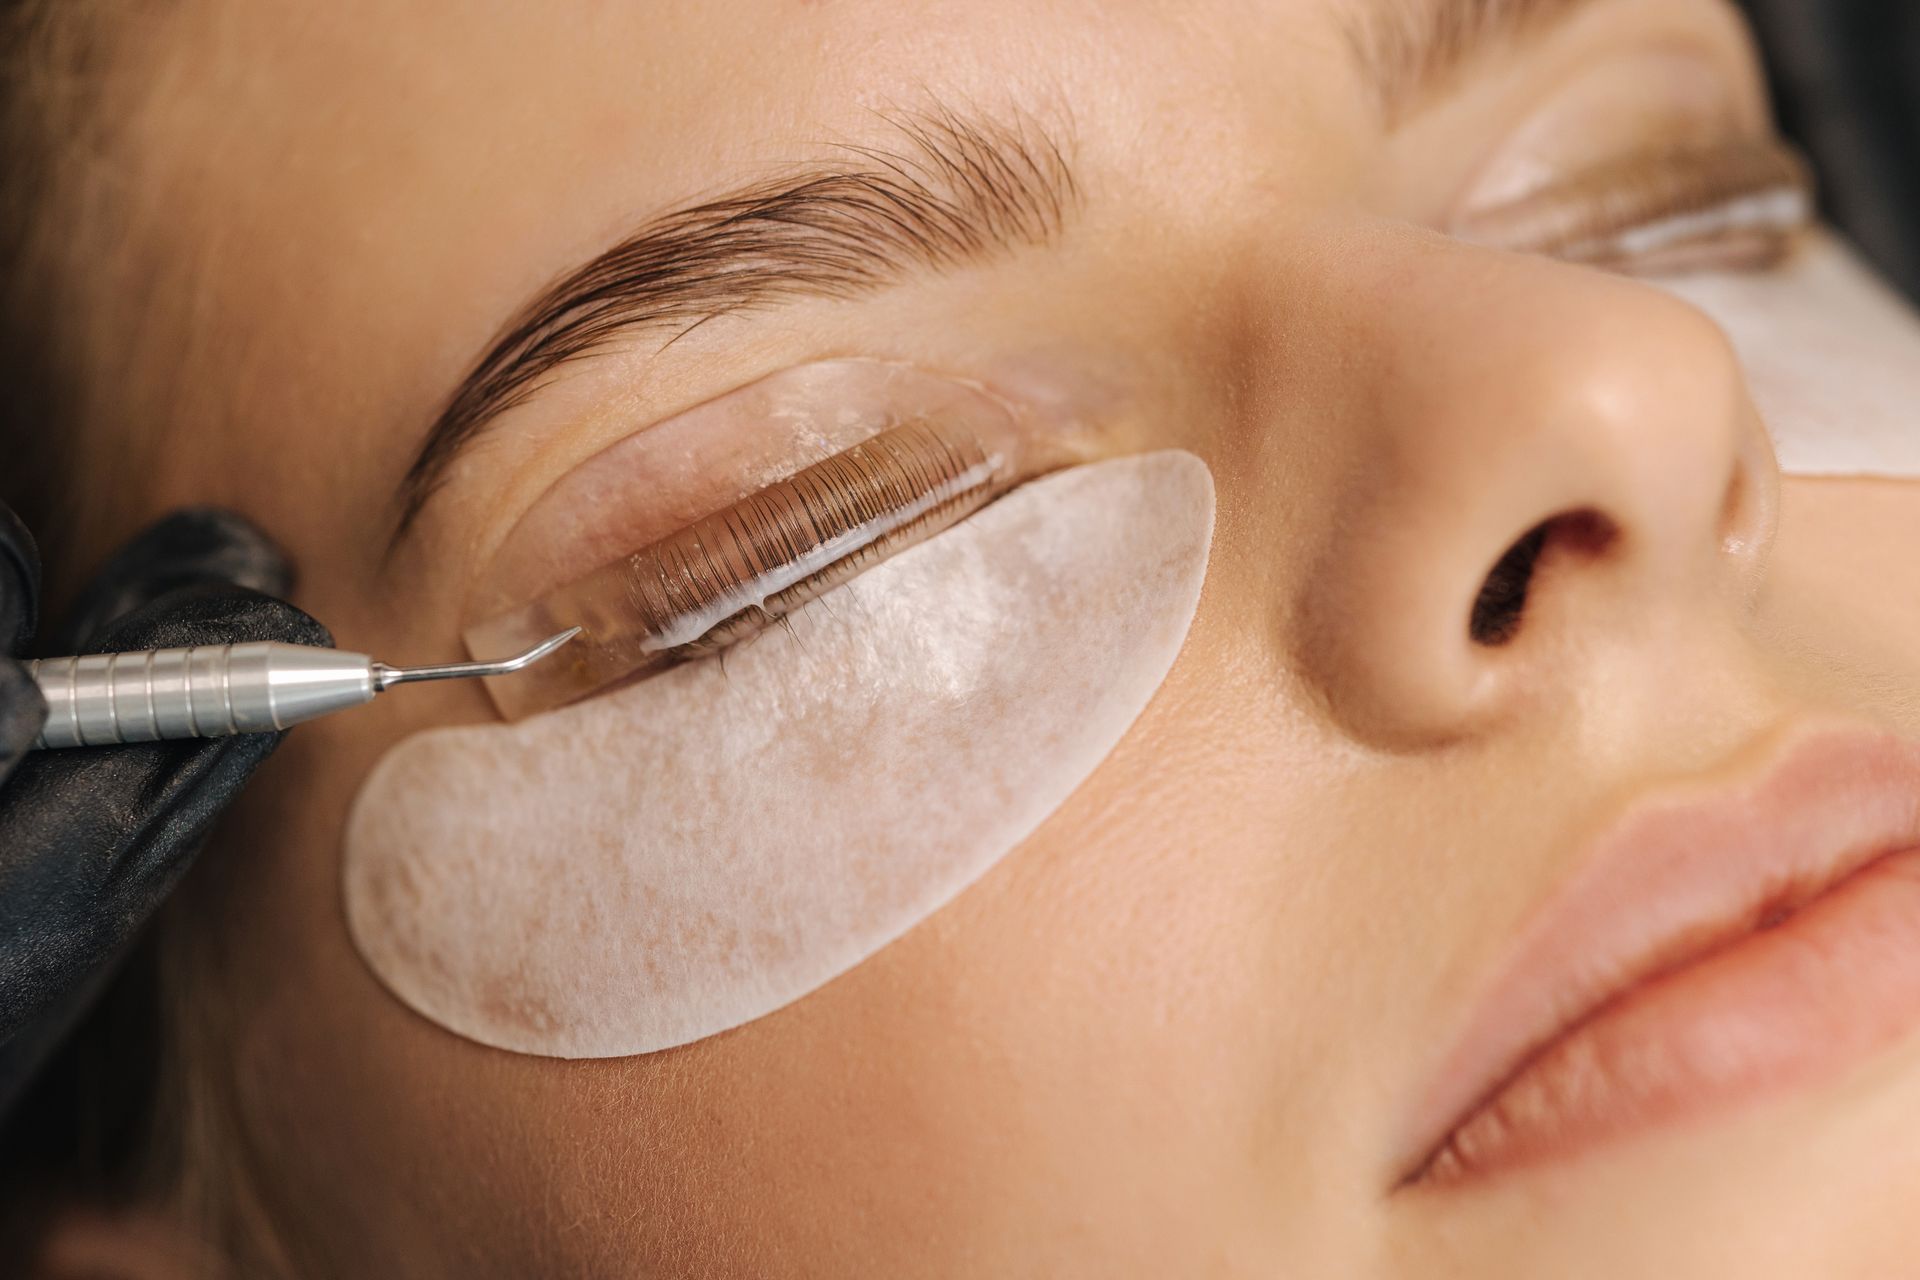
pixel 1846 586
pixel 680 857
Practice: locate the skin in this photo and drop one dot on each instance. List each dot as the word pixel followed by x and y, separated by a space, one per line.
pixel 1174 1033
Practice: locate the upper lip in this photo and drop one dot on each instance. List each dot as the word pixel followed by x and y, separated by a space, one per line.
pixel 1687 869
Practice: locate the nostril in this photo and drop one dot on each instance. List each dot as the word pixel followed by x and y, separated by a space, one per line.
pixel 1501 606
pixel 1503 596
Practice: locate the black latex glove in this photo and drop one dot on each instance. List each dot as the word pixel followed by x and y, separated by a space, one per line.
pixel 93 839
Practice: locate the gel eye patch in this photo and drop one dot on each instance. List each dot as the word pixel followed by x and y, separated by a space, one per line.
pixel 1832 357
pixel 686 854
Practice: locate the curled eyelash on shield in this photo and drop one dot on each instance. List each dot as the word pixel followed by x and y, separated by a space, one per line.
pixel 732 574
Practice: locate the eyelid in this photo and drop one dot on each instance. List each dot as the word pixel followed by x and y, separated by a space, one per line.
pixel 663 475
pixel 1740 204
pixel 822 468
pixel 741 569
pixel 1667 96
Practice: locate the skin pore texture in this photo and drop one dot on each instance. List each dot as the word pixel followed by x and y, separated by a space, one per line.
pixel 1176 1029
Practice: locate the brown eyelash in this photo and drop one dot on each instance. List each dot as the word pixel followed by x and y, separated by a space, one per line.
pixel 702 566
pixel 733 574
pixel 1739 206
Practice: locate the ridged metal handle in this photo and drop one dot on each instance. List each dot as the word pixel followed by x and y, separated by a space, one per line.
pixel 208 691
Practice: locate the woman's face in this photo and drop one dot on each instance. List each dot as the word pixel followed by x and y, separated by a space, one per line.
pixel 1194 1024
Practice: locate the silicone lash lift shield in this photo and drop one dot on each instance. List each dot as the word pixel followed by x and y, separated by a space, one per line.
pixel 732 574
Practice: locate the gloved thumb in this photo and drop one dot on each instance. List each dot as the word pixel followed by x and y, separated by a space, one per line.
pixel 192 546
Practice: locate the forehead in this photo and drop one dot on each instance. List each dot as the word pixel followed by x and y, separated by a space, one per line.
pixel 382 115
pixel 368 187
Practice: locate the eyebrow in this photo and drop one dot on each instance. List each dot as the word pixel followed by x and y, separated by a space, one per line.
pixel 946 191
pixel 1412 49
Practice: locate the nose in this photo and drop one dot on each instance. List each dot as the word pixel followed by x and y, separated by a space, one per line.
pixel 1532 461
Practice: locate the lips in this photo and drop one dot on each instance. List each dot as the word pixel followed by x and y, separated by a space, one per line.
pixel 1728 938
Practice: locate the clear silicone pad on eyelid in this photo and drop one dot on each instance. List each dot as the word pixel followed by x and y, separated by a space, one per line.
pixel 1730 205
pixel 759 501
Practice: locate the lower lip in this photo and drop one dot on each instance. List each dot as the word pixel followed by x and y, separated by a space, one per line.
pixel 1772 1010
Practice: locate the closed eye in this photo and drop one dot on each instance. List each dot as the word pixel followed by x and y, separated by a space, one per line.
pixel 1735 206
pixel 947 191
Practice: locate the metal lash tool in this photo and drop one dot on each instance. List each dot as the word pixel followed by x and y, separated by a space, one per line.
pixel 215 690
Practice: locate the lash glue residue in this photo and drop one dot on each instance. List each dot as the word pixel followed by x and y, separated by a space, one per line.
pixel 686 854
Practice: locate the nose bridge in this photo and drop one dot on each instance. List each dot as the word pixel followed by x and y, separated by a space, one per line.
pixel 1569 445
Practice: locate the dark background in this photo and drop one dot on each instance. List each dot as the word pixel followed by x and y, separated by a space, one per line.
pixel 1846 77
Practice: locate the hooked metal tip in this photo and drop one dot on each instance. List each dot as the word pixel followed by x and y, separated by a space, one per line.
pixel 385 677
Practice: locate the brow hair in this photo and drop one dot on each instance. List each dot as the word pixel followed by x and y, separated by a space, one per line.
pixel 1410 49
pixel 949 191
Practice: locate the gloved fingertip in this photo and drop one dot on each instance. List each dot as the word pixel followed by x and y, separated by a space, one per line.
pixel 22 712
pixel 19 583
pixel 182 788
pixel 210 614
pixel 193 546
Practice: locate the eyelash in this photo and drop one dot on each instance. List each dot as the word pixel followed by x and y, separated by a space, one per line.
pixel 731 575
pixel 1736 207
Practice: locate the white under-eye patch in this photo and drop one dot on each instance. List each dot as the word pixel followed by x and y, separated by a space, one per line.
pixel 1832 356
pixel 681 856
